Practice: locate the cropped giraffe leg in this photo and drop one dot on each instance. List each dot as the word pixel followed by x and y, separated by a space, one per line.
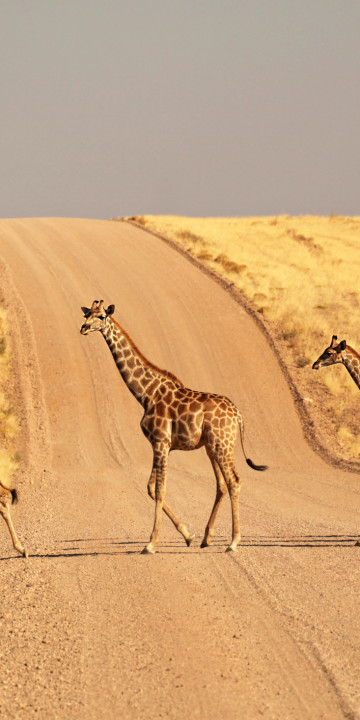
pixel 5 512
pixel 220 492
pixel 181 528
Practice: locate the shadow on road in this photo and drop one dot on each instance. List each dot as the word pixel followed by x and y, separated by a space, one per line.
pixel 112 546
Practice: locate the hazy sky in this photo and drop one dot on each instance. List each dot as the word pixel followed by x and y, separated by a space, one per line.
pixel 189 107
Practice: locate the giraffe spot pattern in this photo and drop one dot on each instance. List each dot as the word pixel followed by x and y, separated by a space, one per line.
pixel 176 417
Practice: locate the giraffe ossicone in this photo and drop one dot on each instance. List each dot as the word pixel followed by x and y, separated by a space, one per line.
pixel 175 418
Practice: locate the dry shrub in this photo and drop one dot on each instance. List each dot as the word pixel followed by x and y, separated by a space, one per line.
pixel 203 255
pixel 8 465
pixel 228 264
pixel 187 235
pixel 302 361
pixel 8 419
pixel 349 441
pixel 308 242
pixel 259 297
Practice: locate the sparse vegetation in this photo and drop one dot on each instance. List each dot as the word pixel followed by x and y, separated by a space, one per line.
pixel 9 458
pixel 301 274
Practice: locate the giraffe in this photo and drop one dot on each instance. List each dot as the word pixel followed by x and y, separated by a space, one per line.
pixel 6 497
pixel 175 418
pixel 340 353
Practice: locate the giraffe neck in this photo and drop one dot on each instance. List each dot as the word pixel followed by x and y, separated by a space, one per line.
pixel 351 360
pixel 143 378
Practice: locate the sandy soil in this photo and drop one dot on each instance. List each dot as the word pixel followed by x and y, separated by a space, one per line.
pixel 91 628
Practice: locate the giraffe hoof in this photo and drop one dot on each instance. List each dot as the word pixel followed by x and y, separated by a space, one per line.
pixel 230 549
pixel 22 551
pixel 147 551
pixel 204 544
pixel 190 539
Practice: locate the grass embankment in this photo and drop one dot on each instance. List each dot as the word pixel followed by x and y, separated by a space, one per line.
pixel 8 421
pixel 302 275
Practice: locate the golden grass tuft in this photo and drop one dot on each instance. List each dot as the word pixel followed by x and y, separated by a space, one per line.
pixel 301 274
pixel 9 459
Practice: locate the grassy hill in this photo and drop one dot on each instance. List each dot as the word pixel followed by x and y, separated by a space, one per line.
pixel 301 274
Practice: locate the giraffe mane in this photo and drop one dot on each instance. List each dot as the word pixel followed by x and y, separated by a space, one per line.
pixel 352 351
pixel 165 373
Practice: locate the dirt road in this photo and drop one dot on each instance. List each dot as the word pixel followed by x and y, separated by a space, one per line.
pixel 90 628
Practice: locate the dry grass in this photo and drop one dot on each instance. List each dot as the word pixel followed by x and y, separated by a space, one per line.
pixel 8 421
pixel 301 274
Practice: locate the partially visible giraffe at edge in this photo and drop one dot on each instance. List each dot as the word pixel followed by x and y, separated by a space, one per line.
pixel 175 418
pixel 8 497
pixel 340 353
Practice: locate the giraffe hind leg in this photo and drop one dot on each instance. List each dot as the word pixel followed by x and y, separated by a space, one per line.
pixel 221 490
pixel 233 482
pixel 225 461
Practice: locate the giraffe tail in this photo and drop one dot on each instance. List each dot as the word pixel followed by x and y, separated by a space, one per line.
pixel 14 496
pixel 251 464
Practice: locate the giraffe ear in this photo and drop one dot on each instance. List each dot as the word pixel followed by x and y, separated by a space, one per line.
pixel 342 345
pixel 110 310
pixel 85 310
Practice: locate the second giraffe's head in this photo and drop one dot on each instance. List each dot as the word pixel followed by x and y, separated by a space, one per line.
pixel 331 354
pixel 96 316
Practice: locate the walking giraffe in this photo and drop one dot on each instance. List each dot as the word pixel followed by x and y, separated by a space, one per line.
pixel 8 497
pixel 340 353
pixel 175 418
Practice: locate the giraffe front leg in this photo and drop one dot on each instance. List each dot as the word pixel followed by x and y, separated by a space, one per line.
pixel 5 512
pixel 220 492
pixel 181 528
pixel 158 477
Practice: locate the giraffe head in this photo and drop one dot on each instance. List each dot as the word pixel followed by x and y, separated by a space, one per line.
pixel 331 354
pixel 95 317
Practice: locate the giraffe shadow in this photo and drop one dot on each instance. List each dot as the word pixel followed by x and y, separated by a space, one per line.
pixel 113 546
pixel 324 541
